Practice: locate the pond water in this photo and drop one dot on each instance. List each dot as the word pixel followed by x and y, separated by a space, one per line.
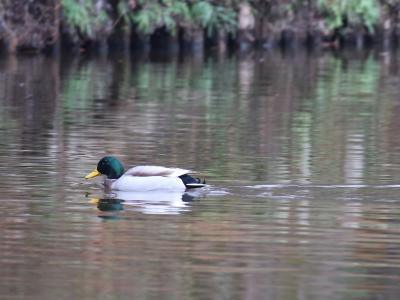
pixel 301 152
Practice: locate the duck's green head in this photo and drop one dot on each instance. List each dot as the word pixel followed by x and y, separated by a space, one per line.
pixel 109 166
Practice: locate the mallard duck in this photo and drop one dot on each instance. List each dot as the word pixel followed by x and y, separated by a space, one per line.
pixel 143 178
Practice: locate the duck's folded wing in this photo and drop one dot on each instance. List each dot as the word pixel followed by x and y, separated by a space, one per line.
pixel 144 171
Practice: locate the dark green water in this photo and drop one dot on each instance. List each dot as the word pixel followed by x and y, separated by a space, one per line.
pixel 302 154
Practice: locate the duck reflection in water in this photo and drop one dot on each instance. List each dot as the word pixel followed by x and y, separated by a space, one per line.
pixel 156 202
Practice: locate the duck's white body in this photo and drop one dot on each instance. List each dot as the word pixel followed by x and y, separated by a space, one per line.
pixel 151 183
pixel 148 178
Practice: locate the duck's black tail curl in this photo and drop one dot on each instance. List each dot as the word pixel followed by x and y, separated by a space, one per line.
pixel 191 182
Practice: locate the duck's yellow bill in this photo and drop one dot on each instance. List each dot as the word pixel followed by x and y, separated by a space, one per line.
pixel 92 174
pixel 94 201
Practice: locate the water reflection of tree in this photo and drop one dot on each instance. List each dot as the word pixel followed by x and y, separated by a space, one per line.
pixel 272 119
pixel 275 116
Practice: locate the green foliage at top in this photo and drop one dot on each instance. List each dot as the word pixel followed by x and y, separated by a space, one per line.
pixel 96 18
pixel 356 12
pixel 214 17
pixel 88 18
pixel 92 17
pixel 154 14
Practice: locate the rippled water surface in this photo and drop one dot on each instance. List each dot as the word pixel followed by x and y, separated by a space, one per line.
pixel 301 153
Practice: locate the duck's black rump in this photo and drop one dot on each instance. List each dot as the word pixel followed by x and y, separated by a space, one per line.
pixel 191 182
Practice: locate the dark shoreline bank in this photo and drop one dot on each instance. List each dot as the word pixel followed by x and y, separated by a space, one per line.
pixel 196 26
